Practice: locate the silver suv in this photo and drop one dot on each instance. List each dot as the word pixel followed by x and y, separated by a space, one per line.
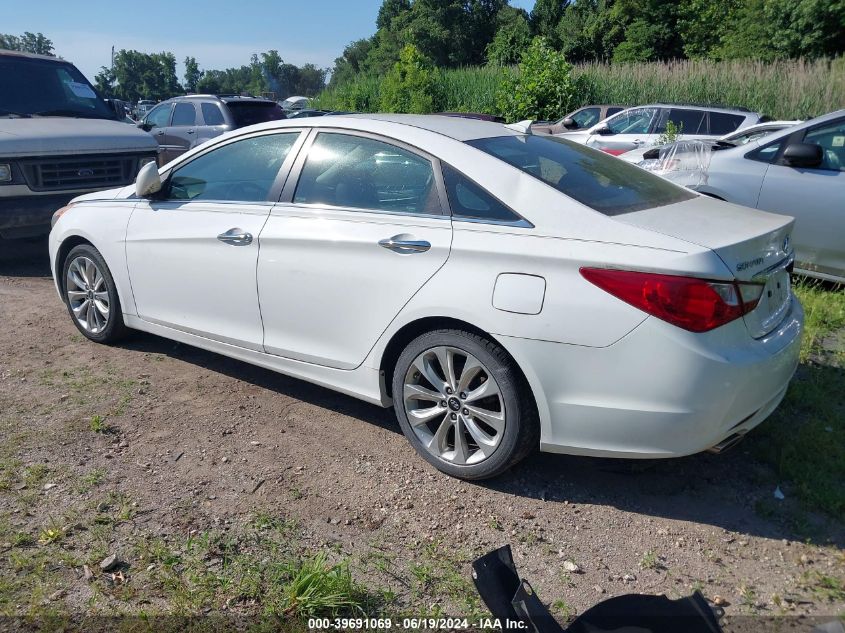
pixel 182 123
pixel 642 126
pixel 58 139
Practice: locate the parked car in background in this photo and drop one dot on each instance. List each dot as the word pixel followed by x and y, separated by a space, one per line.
pixel 58 138
pixel 579 119
pixel 143 107
pixel 304 114
pixel 503 291
pixel 649 157
pixel 182 123
pixel 296 103
pixel 643 126
pixel 474 115
pixel 800 171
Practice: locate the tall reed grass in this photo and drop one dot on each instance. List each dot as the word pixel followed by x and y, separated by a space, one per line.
pixel 793 89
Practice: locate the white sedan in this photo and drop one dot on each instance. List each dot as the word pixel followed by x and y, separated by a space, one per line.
pixel 504 292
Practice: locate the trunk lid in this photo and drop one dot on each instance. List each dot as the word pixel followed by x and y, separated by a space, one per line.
pixel 754 245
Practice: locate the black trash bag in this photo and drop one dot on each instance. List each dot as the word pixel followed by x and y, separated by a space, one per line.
pixel 511 599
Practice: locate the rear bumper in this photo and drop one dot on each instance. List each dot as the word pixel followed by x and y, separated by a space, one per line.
pixel 660 391
pixel 30 215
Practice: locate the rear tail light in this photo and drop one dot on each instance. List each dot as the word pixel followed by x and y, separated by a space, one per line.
pixel 690 303
pixel 613 152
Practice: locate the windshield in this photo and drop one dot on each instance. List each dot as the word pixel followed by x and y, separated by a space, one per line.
pixel 250 112
pixel 39 87
pixel 598 180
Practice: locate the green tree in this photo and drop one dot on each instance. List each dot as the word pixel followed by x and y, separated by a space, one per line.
pixel 513 36
pixel 543 89
pixel 144 76
pixel 390 9
pixel 352 61
pixel 104 82
pixel 28 43
pixel 545 17
pixel 192 74
pixel 413 84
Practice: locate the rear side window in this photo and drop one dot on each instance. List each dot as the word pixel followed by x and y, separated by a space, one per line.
pixel 212 114
pixel 184 114
pixel 722 123
pixel 469 200
pixel 249 113
pixel 612 111
pixel 686 121
pixel 598 180
pixel 344 170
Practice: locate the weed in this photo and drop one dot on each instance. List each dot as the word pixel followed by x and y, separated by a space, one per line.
pixel 98 424
pixel 650 561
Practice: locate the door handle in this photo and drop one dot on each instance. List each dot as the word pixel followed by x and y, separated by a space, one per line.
pixel 191 131
pixel 160 133
pixel 398 244
pixel 236 237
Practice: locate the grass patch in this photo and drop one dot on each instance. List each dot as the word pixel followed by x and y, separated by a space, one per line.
pixel 804 440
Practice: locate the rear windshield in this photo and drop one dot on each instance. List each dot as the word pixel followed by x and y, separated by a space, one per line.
pixel 600 181
pixel 249 113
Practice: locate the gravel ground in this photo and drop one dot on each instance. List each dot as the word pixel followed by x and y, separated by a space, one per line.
pixel 192 441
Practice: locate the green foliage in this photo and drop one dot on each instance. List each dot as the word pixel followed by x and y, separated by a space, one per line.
pixel 513 36
pixel 543 88
pixel 670 134
pixel 266 74
pixel 137 75
pixel 317 588
pixel 413 85
pixel 545 17
pixel 192 74
pixel 28 43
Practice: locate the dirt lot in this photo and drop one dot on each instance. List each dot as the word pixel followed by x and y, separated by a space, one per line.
pixel 158 453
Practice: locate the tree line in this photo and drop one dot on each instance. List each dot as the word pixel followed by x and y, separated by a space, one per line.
pixel 454 33
pixel 135 75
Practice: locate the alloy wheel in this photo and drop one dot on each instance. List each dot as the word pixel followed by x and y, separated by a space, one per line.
pixel 88 295
pixel 454 405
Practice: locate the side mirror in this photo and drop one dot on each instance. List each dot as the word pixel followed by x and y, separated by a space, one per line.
pixel 569 124
pixel 803 155
pixel 603 130
pixel 144 126
pixel 148 181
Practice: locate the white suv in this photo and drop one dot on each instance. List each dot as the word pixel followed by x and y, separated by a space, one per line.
pixel 642 126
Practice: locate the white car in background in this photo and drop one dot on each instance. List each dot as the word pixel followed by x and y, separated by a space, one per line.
pixel 648 157
pixel 643 126
pixel 799 170
pixel 504 292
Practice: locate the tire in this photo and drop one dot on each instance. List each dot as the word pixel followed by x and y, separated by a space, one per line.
pixel 485 401
pixel 90 294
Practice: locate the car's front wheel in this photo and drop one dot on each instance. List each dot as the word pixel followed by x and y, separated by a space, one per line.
pixel 91 295
pixel 463 405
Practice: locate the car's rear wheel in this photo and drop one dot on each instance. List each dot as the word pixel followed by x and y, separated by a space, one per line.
pixel 463 405
pixel 91 295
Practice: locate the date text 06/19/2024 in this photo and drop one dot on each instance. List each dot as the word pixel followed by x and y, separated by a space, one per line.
pixel 414 624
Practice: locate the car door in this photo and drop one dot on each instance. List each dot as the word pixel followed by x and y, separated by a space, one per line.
pixel 625 131
pixel 156 123
pixel 361 226
pixel 192 251
pixel 181 134
pixel 814 196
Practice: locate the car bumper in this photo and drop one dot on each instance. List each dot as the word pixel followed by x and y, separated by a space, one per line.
pixel 660 391
pixel 30 215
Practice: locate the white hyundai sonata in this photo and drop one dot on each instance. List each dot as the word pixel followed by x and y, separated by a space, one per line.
pixel 503 292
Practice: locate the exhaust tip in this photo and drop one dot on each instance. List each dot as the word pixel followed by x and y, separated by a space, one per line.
pixel 727 443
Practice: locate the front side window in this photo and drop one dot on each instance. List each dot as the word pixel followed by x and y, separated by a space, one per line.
pixel 831 138
pixel 159 116
pixel 241 171
pixel 767 153
pixel 184 114
pixel 470 200
pixel 599 181
pixel 634 121
pixel 362 173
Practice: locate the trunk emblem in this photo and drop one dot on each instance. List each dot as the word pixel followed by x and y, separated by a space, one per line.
pixel 85 171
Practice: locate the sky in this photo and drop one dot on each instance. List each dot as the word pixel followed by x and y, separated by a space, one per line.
pixel 219 33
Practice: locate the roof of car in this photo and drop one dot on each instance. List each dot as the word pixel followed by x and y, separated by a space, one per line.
pixel 223 98
pixel 699 106
pixel 458 128
pixel 49 58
